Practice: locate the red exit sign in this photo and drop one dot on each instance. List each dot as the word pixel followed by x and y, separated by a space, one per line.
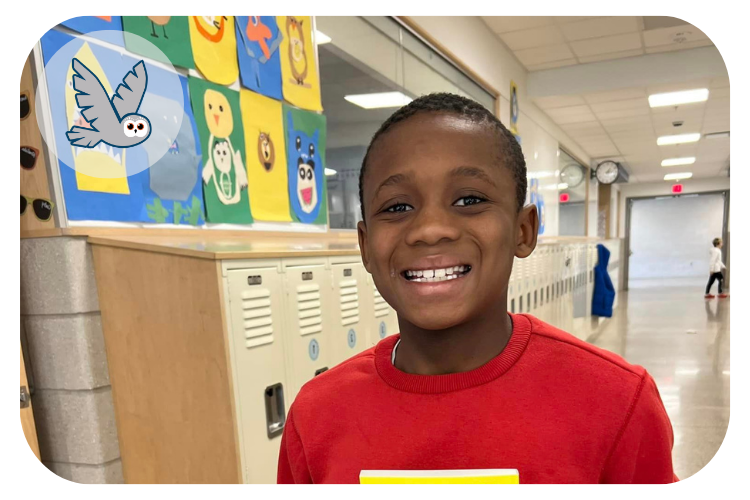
pixel 676 188
pixel 564 197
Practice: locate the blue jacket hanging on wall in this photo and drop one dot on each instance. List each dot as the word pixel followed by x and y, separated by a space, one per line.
pixel 604 291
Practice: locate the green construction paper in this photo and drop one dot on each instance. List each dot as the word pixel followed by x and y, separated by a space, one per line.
pixel 236 212
pixel 308 122
pixel 175 45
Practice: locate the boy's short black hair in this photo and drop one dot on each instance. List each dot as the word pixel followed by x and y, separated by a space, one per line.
pixel 717 241
pixel 509 151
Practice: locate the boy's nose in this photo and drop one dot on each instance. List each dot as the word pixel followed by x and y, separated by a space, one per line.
pixel 432 226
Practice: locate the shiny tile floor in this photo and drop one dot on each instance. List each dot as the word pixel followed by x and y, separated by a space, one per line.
pixel 683 341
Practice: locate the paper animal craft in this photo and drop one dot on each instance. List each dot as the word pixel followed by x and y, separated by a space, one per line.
pixel 258 43
pixel 106 28
pixel 300 81
pixel 215 47
pixel 266 157
pixel 305 136
pixel 217 114
pixel 114 121
pixel 170 34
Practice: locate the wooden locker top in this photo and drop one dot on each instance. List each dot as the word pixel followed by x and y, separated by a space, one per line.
pixel 252 246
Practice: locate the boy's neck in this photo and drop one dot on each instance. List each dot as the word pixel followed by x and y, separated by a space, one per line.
pixel 461 348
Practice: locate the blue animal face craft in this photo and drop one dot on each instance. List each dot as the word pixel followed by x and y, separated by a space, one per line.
pixel 305 174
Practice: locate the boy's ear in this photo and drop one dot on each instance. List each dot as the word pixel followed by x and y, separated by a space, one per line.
pixel 527 225
pixel 362 235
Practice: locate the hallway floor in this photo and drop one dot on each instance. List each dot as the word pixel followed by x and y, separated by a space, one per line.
pixel 683 341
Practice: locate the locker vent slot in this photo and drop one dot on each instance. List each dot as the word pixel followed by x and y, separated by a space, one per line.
pixel 381 306
pixel 256 317
pixel 349 302
pixel 310 315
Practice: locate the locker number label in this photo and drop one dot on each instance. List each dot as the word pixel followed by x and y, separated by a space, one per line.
pixel 382 329
pixel 313 350
pixel 351 338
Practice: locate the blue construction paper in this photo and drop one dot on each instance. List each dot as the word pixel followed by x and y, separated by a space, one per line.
pixel 257 72
pixel 87 24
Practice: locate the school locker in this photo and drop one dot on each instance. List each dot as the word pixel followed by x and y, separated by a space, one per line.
pixel 349 321
pixel 384 318
pixel 255 319
pixel 308 327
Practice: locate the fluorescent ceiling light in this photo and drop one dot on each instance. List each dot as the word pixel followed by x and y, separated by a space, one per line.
pixel 666 140
pixel 330 171
pixel 562 185
pixel 379 100
pixel 673 162
pixel 676 98
pixel 321 38
pixel 677 177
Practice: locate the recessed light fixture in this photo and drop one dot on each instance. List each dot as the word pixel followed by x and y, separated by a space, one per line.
pixel 321 38
pixel 666 140
pixel 562 185
pixel 678 177
pixel 379 100
pixel 677 98
pixel 674 162
pixel 329 171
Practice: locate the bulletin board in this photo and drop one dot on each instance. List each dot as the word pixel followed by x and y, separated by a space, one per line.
pixel 194 184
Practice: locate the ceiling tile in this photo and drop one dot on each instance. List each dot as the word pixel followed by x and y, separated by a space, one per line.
pixel 702 83
pixel 574 19
pixel 559 101
pixel 550 65
pixel 615 95
pixel 637 103
pixel 505 24
pixel 673 35
pixel 721 82
pixel 622 113
pixel 535 37
pixel 607 44
pixel 718 92
pixel 611 56
pixel 542 55
pixel 594 28
pixel 678 46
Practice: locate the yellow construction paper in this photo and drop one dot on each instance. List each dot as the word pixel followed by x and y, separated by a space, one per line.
pixel 215 48
pixel 265 157
pixel 101 168
pixel 300 81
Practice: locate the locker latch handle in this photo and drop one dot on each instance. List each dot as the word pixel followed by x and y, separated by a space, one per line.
pixel 275 410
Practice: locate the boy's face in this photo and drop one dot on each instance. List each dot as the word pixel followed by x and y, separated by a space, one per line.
pixel 437 198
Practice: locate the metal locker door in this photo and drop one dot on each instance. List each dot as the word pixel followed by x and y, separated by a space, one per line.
pixel 347 332
pixel 385 320
pixel 255 329
pixel 308 290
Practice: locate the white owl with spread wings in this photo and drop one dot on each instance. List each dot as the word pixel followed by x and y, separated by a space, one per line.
pixel 113 121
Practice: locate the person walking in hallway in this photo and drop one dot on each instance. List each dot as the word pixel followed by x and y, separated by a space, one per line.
pixel 715 268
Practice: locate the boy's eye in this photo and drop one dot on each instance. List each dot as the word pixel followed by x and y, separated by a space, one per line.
pixel 468 200
pixel 399 208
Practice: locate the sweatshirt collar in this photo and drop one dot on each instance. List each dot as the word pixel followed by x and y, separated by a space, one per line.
pixel 433 384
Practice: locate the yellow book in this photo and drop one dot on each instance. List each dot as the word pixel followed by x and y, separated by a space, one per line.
pixel 461 476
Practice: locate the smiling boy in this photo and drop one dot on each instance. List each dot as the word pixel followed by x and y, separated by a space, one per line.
pixel 466 385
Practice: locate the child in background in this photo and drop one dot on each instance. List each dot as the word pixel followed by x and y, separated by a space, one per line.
pixel 466 385
pixel 714 271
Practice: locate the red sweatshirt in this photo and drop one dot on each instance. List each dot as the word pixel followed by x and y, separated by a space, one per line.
pixel 555 408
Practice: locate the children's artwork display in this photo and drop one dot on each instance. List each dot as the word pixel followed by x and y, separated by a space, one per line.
pixel 218 118
pixel 265 157
pixel 214 47
pixel 170 34
pixel 115 195
pixel 87 24
pixel 305 144
pixel 258 46
pixel 299 74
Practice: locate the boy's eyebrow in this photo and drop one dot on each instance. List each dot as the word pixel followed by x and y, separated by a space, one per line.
pixel 392 180
pixel 472 172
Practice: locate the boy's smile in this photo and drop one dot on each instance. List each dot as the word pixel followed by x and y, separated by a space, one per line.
pixel 441 221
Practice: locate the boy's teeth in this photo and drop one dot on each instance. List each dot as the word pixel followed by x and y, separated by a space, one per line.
pixel 432 275
pixel 429 273
pixel 440 273
pixel 420 273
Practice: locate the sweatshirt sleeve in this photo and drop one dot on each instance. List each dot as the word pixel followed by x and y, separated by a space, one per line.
pixel 292 461
pixel 642 453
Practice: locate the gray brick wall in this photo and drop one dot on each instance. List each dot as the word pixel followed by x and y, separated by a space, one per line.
pixel 67 361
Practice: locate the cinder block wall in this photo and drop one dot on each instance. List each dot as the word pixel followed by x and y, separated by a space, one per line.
pixel 67 361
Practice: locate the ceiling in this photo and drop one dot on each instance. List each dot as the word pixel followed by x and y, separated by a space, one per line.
pixel 544 42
